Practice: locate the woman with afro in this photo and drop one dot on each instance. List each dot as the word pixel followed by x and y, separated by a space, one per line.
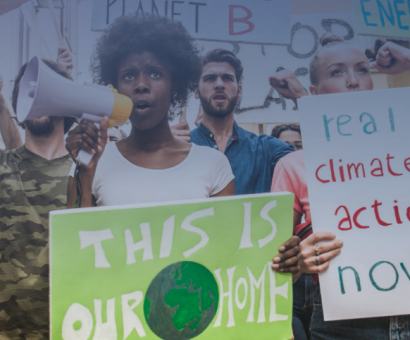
pixel 154 62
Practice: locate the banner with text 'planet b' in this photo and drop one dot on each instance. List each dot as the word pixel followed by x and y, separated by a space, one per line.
pixel 173 271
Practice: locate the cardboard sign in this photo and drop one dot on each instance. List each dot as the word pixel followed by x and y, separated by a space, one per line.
pixel 262 22
pixel 389 18
pixel 260 103
pixel 358 172
pixel 321 6
pixel 173 271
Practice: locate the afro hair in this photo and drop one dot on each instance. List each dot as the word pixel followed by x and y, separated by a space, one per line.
pixel 168 41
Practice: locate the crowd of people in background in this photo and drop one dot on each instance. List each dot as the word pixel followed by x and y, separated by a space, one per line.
pixel 156 63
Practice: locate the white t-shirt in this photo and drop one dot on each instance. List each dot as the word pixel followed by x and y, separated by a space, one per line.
pixel 203 173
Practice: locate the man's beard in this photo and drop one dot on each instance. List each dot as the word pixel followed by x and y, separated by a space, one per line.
pixel 42 127
pixel 218 111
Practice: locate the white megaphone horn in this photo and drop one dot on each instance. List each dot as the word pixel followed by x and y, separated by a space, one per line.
pixel 44 92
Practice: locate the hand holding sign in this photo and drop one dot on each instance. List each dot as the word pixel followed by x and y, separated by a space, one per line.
pixel 181 131
pixel 317 250
pixel 65 60
pixel 287 259
pixel 392 59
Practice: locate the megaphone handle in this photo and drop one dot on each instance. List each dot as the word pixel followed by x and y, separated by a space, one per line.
pixel 83 157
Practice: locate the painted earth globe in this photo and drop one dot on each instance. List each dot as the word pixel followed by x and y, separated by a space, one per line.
pixel 181 301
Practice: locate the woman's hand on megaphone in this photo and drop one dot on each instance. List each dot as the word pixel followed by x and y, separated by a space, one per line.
pixel 86 136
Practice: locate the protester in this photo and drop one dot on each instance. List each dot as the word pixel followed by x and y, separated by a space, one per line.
pixel 338 67
pixel 252 157
pixel 8 129
pixel 289 133
pixel 290 176
pixel 143 58
pixel 33 182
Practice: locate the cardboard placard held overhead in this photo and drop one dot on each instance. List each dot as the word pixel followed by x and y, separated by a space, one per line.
pixel 320 6
pixel 260 103
pixel 383 17
pixel 262 22
pixel 358 172
pixel 174 271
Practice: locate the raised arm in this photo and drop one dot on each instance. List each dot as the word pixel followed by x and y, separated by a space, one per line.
pixel 181 131
pixel 65 60
pixel 392 59
pixel 287 85
pixel 8 128
pixel 88 137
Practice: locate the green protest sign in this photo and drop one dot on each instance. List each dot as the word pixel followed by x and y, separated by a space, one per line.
pixel 172 271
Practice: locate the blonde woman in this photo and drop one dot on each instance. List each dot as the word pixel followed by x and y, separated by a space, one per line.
pixel 336 68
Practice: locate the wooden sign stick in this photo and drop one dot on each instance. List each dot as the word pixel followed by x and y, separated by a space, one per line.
pixel 53 16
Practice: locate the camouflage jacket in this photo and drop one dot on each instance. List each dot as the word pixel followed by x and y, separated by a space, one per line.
pixel 30 187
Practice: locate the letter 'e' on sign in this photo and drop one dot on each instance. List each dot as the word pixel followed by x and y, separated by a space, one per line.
pixel 256 21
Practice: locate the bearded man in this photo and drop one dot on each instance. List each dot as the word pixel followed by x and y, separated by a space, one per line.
pixel 252 158
pixel 33 181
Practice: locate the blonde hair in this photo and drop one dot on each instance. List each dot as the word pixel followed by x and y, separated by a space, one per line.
pixel 327 40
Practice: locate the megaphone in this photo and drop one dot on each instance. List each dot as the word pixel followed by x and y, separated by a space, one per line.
pixel 44 92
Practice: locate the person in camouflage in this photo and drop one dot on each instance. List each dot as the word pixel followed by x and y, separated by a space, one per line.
pixel 33 181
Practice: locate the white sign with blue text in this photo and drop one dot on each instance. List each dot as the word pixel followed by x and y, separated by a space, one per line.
pixel 257 21
pixel 358 174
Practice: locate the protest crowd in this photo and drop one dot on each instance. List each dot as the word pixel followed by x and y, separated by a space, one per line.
pixel 155 62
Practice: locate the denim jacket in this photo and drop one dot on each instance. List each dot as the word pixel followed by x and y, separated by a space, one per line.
pixel 252 158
